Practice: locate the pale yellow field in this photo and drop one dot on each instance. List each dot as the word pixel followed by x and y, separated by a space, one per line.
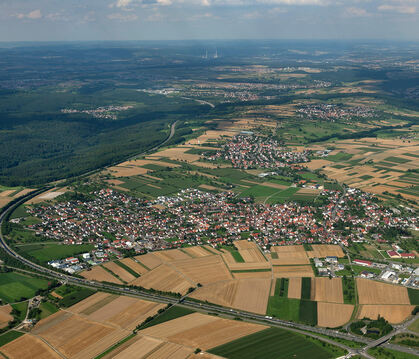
pixel 76 337
pixel 89 303
pixel 325 250
pixel 119 271
pixel 249 294
pixel 245 275
pixel 6 193
pixel 197 251
pixel 164 278
pixel 120 171
pixel 333 315
pixel 5 200
pixel 253 255
pixel 171 255
pixel 135 266
pixel 28 347
pixel 294 288
pixel 149 260
pixel 178 154
pixel 140 348
pixel 233 265
pixel 372 292
pixel 394 314
pixel 5 316
pixel 204 270
pixel 288 255
pixel 292 271
pixel 327 290
pixel 244 244
pixel 201 331
pixel 99 274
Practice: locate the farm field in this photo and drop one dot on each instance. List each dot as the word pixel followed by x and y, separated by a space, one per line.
pixel 28 346
pixel 245 294
pixel 201 331
pixel 272 343
pixel 15 286
pixel 327 290
pixel 289 255
pixel 166 279
pixel 5 315
pixel 393 313
pixel 333 315
pixel 46 252
pixel 292 271
pixel 372 292
pixel 101 275
pixel 120 272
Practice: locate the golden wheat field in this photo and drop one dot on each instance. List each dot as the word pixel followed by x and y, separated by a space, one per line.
pixel 372 292
pixel 394 314
pixel 333 315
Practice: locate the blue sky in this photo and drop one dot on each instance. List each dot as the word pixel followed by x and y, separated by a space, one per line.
pixel 52 20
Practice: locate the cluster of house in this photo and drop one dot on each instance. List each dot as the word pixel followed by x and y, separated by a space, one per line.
pixel 114 221
pixel 247 151
pixel 331 112
pixel 329 266
pixel 105 112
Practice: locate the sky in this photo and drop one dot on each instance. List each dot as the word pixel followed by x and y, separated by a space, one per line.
pixel 74 20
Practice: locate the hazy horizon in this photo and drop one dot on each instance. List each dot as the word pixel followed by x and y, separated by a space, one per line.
pixel 169 20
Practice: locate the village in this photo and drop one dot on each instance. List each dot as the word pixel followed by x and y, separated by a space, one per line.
pixel 246 151
pixel 115 223
pixel 331 112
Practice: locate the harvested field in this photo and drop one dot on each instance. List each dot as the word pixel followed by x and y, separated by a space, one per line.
pixel 7 193
pixel 244 275
pixel 233 265
pixel 101 275
pixel 252 255
pixel 172 351
pixel 327 290
pixel 211 249
pixel 325 250
pixel 164 278
pixel 294 288
pixel 171 255
pixel 209 187
pixel 77 337
pixel 372 292
pixel 5 316
pixel 127 171
pixel 119 271
pixel 135 266
pixel 28 346
pixel 139 349
pixel 244 244
pixel 197 251
pixel 89 303
pixel 288 255
pixel 292 271
pixel 204 270
pixel 202 331
pixel 178 154
pixel 394 314
pixel 250 294
pixel 50 195
pixel 149 260
pixel 5 200
pixel 333 315
pixel 125 312
pixel 316 164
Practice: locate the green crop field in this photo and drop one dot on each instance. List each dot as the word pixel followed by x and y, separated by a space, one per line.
pixel 384 353
pixel 272 343
pixel 170 314
pixel 72 294
pixel 305 288
pixel 22 308
pixel 413 296
pixel 14 286
pixel 9 336
pixel 284 308
pixel 46 252
pixel 308 312
pixel 47 308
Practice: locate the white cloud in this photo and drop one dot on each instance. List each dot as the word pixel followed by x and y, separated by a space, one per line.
pixel 123 3
pixel 401 9
pixel 356 11
pixel 122 17
pixel 34 15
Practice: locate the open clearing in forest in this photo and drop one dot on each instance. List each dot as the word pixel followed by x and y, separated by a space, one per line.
pixel 372 292
pixel 201 331
pixel 101 275
pixel 333 315
pixel 327 290
pixel 164 278
pixel 204 270
pixel 250 294
pixel 28 346
pixel 292 271
pixel 394 314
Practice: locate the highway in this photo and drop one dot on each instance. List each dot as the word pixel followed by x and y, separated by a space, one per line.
pixel 184 301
